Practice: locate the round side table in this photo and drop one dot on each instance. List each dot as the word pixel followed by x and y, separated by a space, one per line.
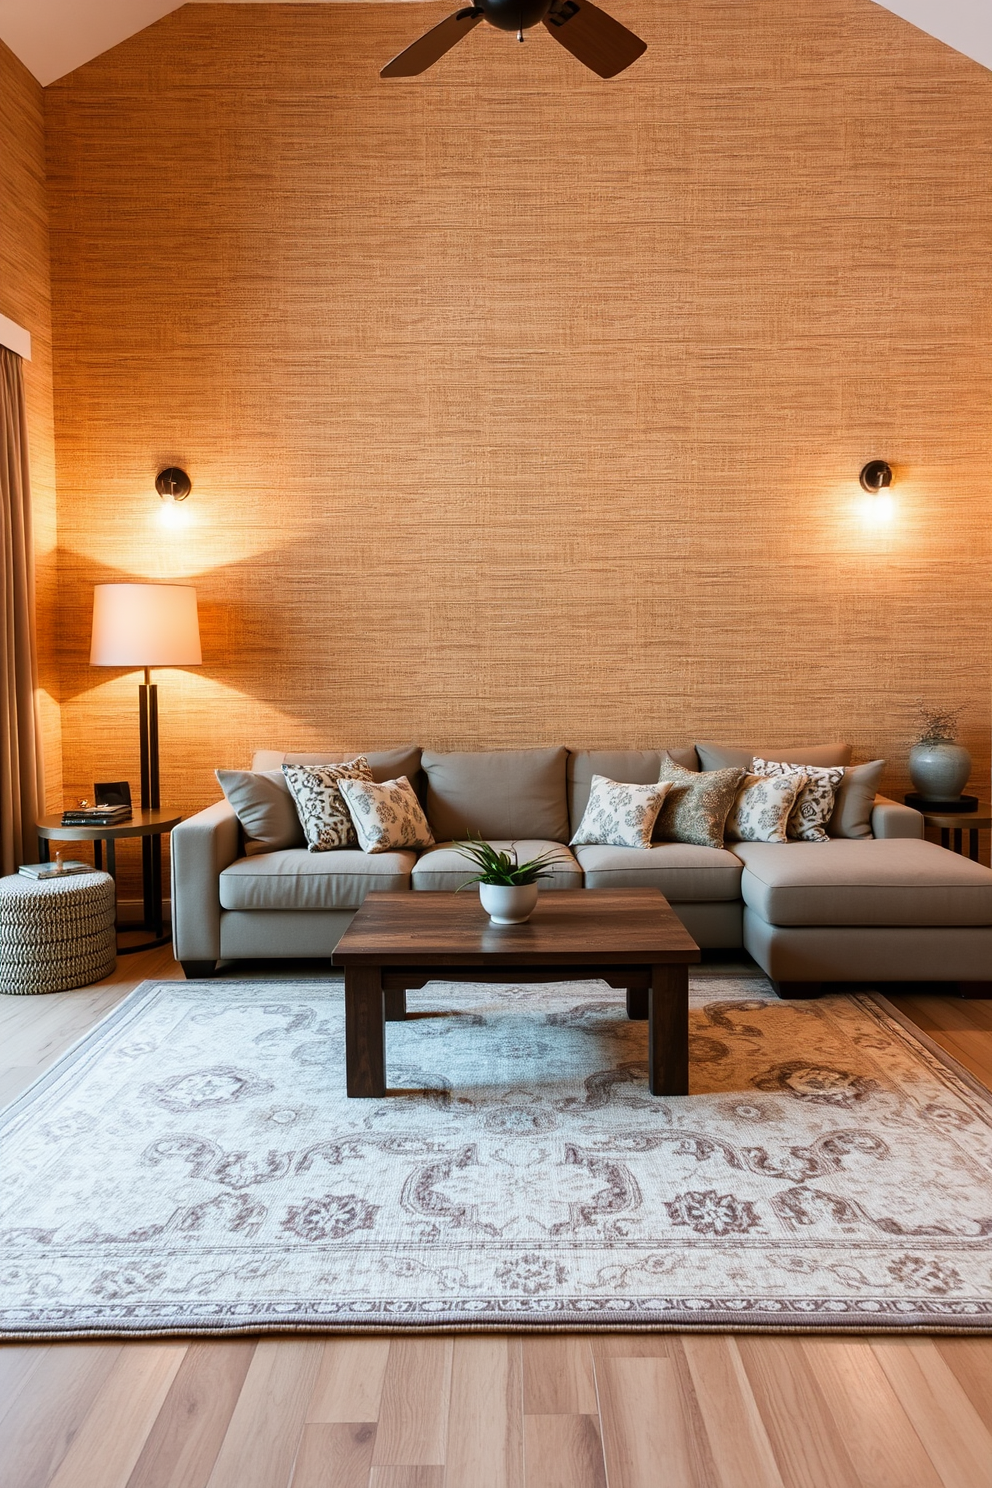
pixel 150 826
pixel 960 822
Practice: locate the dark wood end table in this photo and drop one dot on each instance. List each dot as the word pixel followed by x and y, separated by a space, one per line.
pixel 960 822
pixel 629 938
pixel 150 826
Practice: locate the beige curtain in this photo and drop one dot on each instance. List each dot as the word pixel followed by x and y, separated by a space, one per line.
pixel 21 775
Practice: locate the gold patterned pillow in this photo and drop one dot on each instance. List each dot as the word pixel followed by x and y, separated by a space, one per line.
pixel 762 807
pixel 620 815
pixel 386 816
pixel 695 809
pixel 320 806
pixel 814 804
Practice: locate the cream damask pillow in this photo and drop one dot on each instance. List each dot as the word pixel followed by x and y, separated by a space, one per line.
pixel 620 815
pixel 320 806
pixel 762 807
pixel 386 816
pixel 695 809
pixel 815 804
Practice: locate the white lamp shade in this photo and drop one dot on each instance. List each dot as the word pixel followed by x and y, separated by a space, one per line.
pixel 145 625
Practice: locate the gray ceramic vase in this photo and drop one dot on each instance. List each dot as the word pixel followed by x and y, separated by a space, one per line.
pixel 939 770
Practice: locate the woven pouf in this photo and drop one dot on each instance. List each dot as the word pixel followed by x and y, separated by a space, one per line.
pixel 56 933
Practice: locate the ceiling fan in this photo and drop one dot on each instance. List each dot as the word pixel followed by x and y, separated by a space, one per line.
pixel 592 36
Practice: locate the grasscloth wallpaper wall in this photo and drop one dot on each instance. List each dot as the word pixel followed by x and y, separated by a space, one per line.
pixel 521 406
pixel 25 297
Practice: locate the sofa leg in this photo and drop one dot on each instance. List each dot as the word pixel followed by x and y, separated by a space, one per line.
pixel 975 989
pixel 797 990
pixel 194 970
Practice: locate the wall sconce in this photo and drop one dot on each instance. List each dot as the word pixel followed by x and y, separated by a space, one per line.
pixel 875 477
pixel 175 485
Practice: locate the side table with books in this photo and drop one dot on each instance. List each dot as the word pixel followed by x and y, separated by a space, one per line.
pixel 95 827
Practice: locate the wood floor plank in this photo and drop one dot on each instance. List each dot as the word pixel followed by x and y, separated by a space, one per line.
pixel 645 1441
pixel 56 1399
pixel 876 1430
pixel 558 1376
pixel 336 1454
pixel 110 1439
pixel 485 1416
pixel 182 1446
pixel 801 1431
pixel 407 1477
pixel 563 1452
pixel 413 1416
pixel 742 1453
pixel 18 1362
pixel 350 1380
pixel 957 1441
pixel 264 1433
pixel 970 1361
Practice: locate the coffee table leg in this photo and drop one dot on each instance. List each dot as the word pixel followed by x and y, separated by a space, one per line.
pixel 395 1006
pixel 365 1031
pixel 637 1004
pixel 668 1031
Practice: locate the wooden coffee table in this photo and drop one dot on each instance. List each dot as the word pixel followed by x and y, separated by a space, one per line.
pixel 629 938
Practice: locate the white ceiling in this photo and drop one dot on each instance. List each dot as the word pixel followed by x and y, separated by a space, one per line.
pixel 52 37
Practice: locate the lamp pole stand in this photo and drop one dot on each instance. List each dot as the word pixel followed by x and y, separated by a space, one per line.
pixel 151 847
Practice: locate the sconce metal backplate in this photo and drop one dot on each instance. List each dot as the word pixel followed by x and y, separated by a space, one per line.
pixel 875 476
pixel 173 484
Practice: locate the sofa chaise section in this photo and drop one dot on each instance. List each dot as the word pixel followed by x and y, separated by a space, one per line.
pixel 881 910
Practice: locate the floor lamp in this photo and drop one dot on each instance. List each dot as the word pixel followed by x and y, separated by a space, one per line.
pixel 146 625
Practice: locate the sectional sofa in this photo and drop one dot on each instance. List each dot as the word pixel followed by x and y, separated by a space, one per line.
pixel 884 907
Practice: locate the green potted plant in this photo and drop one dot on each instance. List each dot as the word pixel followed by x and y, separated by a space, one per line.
pixel 507 889
pixel 938 766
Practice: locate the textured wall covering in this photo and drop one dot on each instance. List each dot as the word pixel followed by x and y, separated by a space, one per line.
pixel 25 296
pixel 522 406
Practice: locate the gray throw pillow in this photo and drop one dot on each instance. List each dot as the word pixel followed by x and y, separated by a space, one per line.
pixel 696 808
pixel 262 802
pixel 855 799
pixel 723 756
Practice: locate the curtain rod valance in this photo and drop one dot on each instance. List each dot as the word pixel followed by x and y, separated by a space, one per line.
pixel 15 338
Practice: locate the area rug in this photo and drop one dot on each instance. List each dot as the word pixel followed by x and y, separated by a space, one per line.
pixel 193 1165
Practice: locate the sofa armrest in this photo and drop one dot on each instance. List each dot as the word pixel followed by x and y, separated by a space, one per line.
pixel 202 846
pixel 893 819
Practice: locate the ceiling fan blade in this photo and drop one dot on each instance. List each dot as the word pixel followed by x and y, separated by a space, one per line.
pixel 594 37
pixel 431 47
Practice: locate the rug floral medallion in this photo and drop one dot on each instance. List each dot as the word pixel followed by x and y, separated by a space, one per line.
pixel 193 1164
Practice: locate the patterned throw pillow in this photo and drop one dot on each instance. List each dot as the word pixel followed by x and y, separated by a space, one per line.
pixel 763 806
pixel 695 809
pixel 386 816
pixel 814 805
pixel 620 815
pixel 320 806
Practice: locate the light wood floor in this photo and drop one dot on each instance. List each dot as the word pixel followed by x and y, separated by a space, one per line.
pixel 609 1411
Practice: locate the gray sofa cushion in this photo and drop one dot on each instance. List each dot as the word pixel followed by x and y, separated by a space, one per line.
pixel 297 879
pixel 443 867
pixel 722 756
pixel 385 764
pixel 265 808
pixel 855 799
pixel 682 871
pixel 635 766
pixel 891 881
pixel 497 794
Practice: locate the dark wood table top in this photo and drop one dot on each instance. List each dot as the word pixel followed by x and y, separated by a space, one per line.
pixel 141 824
pixel 569 927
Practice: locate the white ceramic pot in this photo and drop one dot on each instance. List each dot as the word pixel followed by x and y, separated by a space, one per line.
pixel 508 904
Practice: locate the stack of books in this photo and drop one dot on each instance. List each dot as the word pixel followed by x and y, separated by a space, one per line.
pixel 95 816
pixel 53 870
